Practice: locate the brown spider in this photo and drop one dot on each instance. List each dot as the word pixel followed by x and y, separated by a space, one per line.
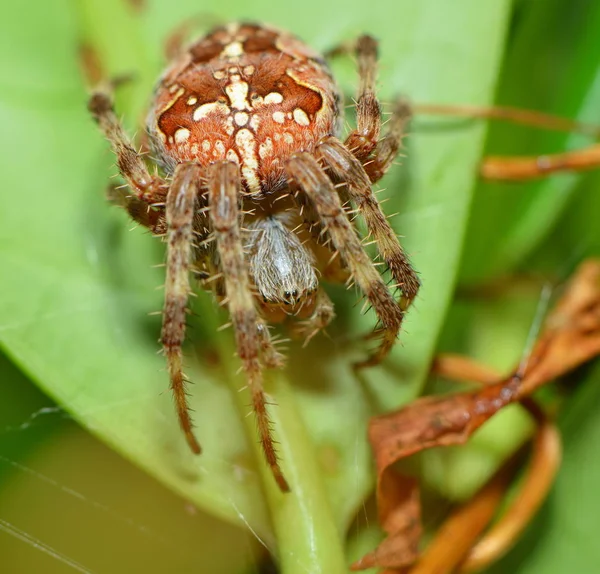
pixel 245 125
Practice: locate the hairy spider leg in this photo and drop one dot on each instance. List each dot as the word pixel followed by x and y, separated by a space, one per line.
pixel 323 313
pixel 345 167
pixel 224 192
pixel 315 185
pixel 362 141
pixel 180 212
pixel 149 189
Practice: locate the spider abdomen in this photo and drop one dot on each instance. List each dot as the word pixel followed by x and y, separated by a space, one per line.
pixel 248 94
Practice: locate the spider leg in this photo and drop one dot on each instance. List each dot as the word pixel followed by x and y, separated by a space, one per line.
pixel 180 208
pixel 312 180
pixel 322 314
pixel 332 267
pixel 138 210
pixel 206 265
pixel 387 148
pixel 345 167
pixel 364 138
pixel 224 190
pixel 147 188
pixel 272 358
pixel 376 155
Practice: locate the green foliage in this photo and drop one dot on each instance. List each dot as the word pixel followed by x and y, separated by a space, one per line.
pixel 77 285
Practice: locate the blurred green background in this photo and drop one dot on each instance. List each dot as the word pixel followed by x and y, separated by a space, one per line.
pixel 76 287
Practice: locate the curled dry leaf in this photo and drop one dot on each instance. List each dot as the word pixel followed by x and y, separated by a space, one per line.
pixel 458 545
pixel 571 337
pixel 462 528
pixel 535 486
pixel 399 512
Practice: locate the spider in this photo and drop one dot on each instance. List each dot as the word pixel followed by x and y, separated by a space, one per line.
pixel 258 193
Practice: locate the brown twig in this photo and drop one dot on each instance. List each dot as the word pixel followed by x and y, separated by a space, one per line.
pixel 511 114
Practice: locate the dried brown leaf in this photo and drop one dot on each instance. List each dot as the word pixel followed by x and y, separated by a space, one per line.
pixel 400 518
pixel 571 337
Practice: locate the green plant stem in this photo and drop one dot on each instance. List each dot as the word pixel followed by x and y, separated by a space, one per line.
pixel 307 537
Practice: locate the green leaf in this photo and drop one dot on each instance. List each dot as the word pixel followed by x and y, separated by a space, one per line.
pixel 552 66
pixel 579 235
pixel 77 285
pixel 22 404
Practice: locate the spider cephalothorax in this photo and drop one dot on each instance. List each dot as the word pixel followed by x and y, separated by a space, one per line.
pixel 245 124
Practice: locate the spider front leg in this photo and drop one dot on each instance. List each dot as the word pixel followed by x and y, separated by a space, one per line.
pixel 147 188
pixel 307 174
pixel 271 357
pixel 388 146
pixel 180 211
pixel 376 155
pixel 364 138
pixel 346 168
pixel 224 191
pixel 140 211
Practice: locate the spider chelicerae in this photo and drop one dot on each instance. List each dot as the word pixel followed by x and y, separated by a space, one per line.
pixel 258 194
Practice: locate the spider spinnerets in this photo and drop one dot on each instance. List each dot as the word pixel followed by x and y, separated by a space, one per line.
pixel 245 124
